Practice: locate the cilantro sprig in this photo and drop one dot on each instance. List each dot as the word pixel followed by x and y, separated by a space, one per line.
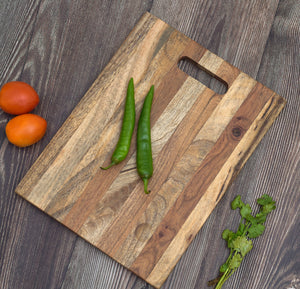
pixel 239 242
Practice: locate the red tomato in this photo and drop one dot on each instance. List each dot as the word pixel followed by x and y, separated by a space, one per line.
pixel 17 97
pixel 25 129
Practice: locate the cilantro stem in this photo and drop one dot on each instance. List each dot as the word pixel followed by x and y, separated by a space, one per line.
pixel 247 226
pixel 229 257
pixel 224 278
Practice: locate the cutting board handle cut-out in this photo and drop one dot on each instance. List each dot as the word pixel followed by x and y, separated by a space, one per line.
pixel 200 141
pixel 198 72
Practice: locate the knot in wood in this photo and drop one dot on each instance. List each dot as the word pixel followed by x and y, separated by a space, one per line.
pixel 236 132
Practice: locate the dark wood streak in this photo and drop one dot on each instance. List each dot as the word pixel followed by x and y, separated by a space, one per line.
pixel 273 109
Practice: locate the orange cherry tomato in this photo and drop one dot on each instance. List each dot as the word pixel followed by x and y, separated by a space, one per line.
pixel 17 97
pixel 25 129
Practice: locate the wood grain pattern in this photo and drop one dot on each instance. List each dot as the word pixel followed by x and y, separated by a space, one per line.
pixel 187 161
pixel 204 175
pixel 211 197
pixel 61 47
pixel 194 133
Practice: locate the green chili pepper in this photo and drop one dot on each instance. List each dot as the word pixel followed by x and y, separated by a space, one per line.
pixel 144 151
pixel 128 123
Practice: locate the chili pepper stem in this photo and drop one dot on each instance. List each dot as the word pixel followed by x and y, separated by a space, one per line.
pixel 109 166
pixel 146 186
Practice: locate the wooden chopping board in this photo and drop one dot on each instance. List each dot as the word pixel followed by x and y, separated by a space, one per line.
pixel 200 141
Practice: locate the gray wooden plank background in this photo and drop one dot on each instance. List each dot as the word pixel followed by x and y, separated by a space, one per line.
pixel 60 47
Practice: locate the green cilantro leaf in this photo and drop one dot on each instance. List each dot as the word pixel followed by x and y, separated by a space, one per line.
pixel 242 245
pixel 227 234
pixel 260 218
pixel 265 199
pixel 266 209
pixel 239 242
pixel 223 268
pixel 235 262
pixel 246 211
pixel 255 230
pixel 237 203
